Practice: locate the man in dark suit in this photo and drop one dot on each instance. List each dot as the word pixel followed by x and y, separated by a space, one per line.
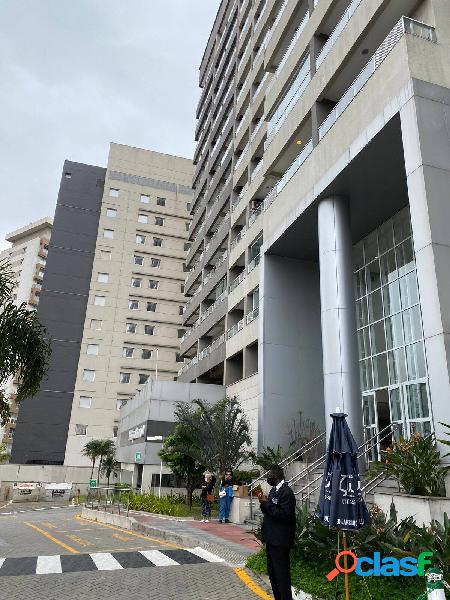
pixel 278 531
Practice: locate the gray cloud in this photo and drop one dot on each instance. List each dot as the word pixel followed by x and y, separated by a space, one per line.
pixel 78 74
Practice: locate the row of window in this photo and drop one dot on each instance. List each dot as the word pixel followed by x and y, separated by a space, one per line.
pixel 145 198
pixel 81 429
pixel 125 377
pixel 130 327
pixel 151 306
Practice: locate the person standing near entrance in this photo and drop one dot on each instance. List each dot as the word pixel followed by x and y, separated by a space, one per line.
pixel 226 496
pixel 207 496
pixel 278 531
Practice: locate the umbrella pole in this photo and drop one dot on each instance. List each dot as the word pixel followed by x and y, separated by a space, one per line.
pixel 347 593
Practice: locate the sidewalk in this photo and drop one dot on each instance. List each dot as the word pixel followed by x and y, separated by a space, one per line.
pixel 233 543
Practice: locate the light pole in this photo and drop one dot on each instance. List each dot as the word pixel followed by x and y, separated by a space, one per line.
pixel 156 364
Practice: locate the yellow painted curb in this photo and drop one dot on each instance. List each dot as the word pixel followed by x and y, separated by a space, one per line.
pixel 251 584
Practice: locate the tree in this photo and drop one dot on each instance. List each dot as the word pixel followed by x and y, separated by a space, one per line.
pixel 110 466
pixel 217 436
pixel 270 456
pixel 105 448
pixel 4 456
pixel 181 464
pixel 92 451
pixel 24 346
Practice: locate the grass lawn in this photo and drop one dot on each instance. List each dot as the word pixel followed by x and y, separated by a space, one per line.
pixel 309 576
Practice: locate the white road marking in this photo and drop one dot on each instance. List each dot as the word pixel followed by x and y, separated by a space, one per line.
pixel 158 558
pixel 48 564
pixel 45 508
pixel 202 553
pixel 104 561
pixel 2 560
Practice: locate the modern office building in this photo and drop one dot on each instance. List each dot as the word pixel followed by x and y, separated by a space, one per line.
pixel 27 256
pixel 112 299
pixel 320 254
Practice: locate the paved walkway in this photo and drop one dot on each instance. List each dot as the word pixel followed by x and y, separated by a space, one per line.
pixel 234 543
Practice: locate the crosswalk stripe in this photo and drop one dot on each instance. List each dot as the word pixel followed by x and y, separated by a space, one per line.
pixel 2 560
pixel 104 561
pixel 158 558
pixel 48 564
pixel 209 556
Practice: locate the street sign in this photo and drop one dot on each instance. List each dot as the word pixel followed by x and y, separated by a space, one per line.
pixel 92 484
pixel 138 457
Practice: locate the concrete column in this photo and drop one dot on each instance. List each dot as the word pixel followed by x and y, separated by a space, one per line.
pixel 339 343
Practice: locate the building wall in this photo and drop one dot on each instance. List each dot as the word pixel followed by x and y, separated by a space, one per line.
pixel 132 174
pixel 42 425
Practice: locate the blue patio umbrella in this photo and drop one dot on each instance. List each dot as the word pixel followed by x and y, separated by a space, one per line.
pixel 341 504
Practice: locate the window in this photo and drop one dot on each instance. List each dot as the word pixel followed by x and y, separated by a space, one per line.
pixel 111 212
pixel 88 375
pixel 155 262
pixel 181 310
pixel 142 378
pixel 157 241
pixel 159 221
pixel 131 327
pixel 145 199
pixel 153 284
pixel 188 206
pixel 187 245
pixel 99 300
pixel 92 349
pixel 68 175
pixel 151 306
pixel 146 354
pixel 138 260
pixel 115 430
pixel 136 282
pixel 149 330
pixel 102 277
pixel 161 201
pixel 124 377
pixel 181 332
pixel 142 219
pixel 140 239
pixel 96 324
pixel 127 352
pixel 178 357
pixel 133 304
pixel 182 288
pixel 105 254
pixel 120 403
pixel 85 402
pixel 187 225
pixel 113 192
pixel 80 429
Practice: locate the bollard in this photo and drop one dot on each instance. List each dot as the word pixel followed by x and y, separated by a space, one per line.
pixel 435 584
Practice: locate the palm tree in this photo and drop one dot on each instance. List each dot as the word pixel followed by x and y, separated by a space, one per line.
pixel 110 466
pixel 24 345
pixel 92 451
pixel 105 448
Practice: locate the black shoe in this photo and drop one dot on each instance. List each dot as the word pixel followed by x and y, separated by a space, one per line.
pixel 220 520
pixel 227 521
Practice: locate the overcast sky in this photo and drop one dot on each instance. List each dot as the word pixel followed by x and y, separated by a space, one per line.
pixel 78 74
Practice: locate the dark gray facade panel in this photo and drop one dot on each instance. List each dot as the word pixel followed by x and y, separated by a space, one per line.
pixel 43 421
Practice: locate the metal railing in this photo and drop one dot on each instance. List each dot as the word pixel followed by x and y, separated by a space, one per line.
pixel 404 25
pixel 109 499
pixel 255 214
pixel 253 263
pixel 335 34
pixel 241 156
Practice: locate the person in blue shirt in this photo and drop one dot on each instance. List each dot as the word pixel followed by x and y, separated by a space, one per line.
pixel 225 496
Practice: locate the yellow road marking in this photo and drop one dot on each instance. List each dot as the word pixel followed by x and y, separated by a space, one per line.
pixel 79 540
pixel 251 584
pixel 49 525
pixel 139 535
pixel 53 539
pixel 120 537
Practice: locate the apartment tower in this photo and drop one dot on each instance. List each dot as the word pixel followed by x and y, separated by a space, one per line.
pixel 320 257
pixel 27 256
pixel 116 298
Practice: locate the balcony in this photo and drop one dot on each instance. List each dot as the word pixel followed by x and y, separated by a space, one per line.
pixel 216 354
pixel 253 263
pixel 239 326
pixel 404 26
pixel 256 170
pixel 209 281
pixel 255 214
pixel 337 32
pixel 241 157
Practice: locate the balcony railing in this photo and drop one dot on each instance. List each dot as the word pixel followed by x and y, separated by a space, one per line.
pixel 255 214
pixel 253 263
pixel 261 14
pixel 257 169
pixel 241 157
pixel 405 25
pixel 335 34
pixel 236 282
pixel 241 122
pixel 239 197
pixel 277 20
pixel 260 85
pixel 238 238
pixel 251 316
pixel 203 354
pixel 244 85
pixel 256 128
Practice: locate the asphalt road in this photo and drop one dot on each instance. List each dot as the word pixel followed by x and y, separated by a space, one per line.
pixel 53 554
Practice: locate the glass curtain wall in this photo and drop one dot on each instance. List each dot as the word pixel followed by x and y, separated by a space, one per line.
pixel 392 362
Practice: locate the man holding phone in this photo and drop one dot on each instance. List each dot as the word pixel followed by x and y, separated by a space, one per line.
pixel 278 531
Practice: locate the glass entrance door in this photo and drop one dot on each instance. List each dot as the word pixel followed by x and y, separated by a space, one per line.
pixel 370 426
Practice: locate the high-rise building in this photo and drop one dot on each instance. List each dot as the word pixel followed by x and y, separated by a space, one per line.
pixel 27 256
pixel 320 257
pixel 112 298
